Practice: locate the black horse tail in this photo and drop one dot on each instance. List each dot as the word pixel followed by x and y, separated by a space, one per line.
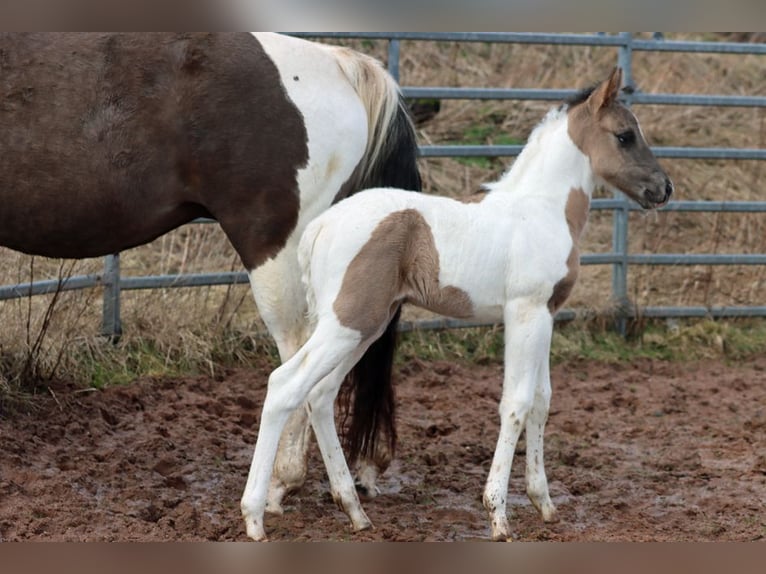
pixel 367 395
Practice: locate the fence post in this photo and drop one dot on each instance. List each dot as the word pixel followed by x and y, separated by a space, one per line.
pixel 393 58
pixel 621 212
pixel 111 324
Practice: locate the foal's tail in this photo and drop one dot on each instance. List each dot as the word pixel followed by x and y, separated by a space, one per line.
pixel 390 160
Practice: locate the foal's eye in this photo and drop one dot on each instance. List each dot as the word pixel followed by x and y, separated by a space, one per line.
pixel 626 138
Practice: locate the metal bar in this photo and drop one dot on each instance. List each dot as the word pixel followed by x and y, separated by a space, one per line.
pixel 692 206
pixel 709 153
pixel 572 314
pixel 673 258
pixel 697 259
pixel 470 150
pixel 191 280
pixel 493 37
pixel 715 312
pixel 48 286
pixel 699 47
pixel 486 93
pixel 449 93
pixel 569 39
pixel 698 100
pixel 663 152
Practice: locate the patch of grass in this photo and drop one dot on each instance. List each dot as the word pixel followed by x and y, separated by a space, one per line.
pixel 475 345
pixel 97 363
pixel 103 364
pixel 580 340
pixel 491 133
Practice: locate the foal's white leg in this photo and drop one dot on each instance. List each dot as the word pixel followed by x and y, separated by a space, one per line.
pixel 527 341
pixel 289 386
pixel 281 300
pixel 537 483
pixel 321 405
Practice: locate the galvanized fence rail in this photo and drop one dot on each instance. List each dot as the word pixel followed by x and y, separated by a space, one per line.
pixel 619 258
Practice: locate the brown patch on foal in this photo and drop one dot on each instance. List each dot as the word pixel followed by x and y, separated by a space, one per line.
pixel 398 264
pixel 477 197
pixel 576 213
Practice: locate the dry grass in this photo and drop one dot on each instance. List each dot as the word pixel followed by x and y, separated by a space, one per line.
pixel 202 327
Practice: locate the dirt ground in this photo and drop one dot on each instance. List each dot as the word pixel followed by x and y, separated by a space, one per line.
pixel 634 452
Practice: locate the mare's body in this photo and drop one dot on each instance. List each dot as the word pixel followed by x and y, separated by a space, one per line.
pixel 107 141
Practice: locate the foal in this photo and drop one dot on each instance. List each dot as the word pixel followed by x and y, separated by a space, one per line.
pixel 513 256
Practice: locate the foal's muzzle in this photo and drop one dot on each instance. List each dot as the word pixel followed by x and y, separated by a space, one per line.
pixel 654 198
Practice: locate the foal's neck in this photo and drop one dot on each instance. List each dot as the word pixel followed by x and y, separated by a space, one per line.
pixel 549 166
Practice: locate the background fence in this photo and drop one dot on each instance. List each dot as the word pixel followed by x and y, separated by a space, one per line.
pixel 618 258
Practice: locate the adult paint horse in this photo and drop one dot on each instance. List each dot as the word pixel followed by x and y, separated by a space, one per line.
pixel 511 256
pixel 110 140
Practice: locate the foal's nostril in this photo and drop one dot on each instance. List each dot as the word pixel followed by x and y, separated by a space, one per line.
pixel 668 188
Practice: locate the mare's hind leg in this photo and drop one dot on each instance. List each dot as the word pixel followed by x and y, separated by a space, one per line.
pixel 528 334
pixel 281 300
pixel 289 386
pixel 291 464
pixel 367 470
pixel 537 483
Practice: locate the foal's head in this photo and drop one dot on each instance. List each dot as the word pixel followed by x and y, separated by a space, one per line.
pixel 608 133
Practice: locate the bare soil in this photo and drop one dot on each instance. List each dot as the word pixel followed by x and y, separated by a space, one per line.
pixel 640 451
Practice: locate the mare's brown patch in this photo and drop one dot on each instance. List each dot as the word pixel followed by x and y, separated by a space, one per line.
pixel 576 212
pixel 110 140
pixel 399 263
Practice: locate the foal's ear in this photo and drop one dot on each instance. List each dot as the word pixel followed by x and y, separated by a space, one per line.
pixel 607 91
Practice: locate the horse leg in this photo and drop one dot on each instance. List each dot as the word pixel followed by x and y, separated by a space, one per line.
pixel 280 297
pixel 321 402
pixel 374 407
pixel 289 386
pixel 367 470
pixel 291 464
pixel 537 483
pixel 528 333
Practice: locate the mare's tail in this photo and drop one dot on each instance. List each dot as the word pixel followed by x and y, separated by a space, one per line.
pixel 390 160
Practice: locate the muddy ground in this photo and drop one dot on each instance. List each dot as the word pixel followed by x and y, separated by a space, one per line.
pixel 636 452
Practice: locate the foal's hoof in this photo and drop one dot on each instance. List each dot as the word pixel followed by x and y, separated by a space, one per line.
pixel 255 530
pixel 363 525
pixel 274 507
pixel 500 531
pixel 549 514
pixel 502 537
pixel 547 511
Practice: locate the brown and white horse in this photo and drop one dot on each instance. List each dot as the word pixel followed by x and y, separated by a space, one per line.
pixel 512 256
pixel 109 140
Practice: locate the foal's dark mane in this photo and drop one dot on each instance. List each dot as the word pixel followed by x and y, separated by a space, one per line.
pixel 580 96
